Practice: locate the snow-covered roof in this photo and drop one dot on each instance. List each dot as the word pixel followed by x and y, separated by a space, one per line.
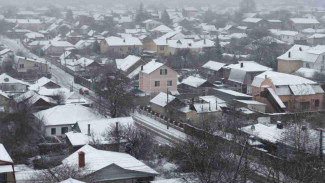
pixel 278 32
pixel 213 65
pixel 67 114
pixel 233 93
pixel 71 180
pixel 98 159
pixel 127 62
pixel 99 128
pixel 5 78
pixel 288 84
pixel 306 72
pixel 39 83
pixel 4 51
pixel 303 53
pixel 250 102
pixel 126 41
pixel 194 81
pixel 4 156
pixel 151 66
pixel 162 99
pixel 304 20
pixel 24 21
pixel 317 36
pixel 161 28
pixel 248 66
pixel 252 20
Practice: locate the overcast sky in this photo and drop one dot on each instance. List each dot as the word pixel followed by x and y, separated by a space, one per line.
pixel 170 3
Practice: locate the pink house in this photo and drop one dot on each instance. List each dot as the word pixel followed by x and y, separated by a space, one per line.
pixel 155 77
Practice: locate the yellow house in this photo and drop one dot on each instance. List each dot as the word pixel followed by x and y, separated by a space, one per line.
pixel 7 172
pixel 117 46
pixel 23 65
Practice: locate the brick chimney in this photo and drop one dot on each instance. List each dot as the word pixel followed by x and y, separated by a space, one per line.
pixel 81 159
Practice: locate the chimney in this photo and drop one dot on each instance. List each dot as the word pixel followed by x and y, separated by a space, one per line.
pixel 289 54
pixel 300 49
pixel 124 40
pixel 142 67
pixel 265 76
pixel 81 158
pixel 88 129
pixel 166 40
pixel 116 127
pixel 241 65
pixel 204 41
pixel 279 125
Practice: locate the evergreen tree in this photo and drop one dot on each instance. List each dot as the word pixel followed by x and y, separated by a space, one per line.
pixel 96 47
pixel 165 18
pixel 218 49
pixel 69 15
pixel 140 14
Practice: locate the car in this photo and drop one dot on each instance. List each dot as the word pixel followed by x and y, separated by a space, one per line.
pixel 83 91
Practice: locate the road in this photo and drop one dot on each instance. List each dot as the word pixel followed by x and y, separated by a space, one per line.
pixel 59 76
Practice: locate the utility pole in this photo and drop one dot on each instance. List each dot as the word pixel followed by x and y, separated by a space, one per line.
pixel 320 143
pixel 240 159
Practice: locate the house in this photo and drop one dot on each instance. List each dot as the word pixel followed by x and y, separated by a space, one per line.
pixel 230 96
pixel 253 23
pixel 96 132
pixel 299 24
pixel 192 112
pixel 299 56
pixel 213 70
pixel 287 36
pixel 274 24
pixel 57 48
pixel 7 171
pixel 108 166
pixel 283 139
pixel 150 24
pixel 43 82
pixel 130 64
pixel 29 24
pixel 316 39
pixel 194 85
pixel 155 77
pixel 11 85
pixel 28 65
pixel 287 93
pixel 59 120
pixel 121 46
pixel 241 75
pixel 160 30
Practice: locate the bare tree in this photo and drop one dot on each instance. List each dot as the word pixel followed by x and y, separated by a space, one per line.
pixel 136 141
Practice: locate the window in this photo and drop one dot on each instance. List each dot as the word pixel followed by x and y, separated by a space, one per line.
pixel 157 83
pixel 316 103
pixel 21 65
pixel 35 65
pixel 162 48
pixel 53 131
pixel 170 83
pixel 129 48
pixel 163 71
pixel 64 130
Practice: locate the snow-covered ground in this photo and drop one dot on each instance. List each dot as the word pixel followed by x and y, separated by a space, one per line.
pixel 160 129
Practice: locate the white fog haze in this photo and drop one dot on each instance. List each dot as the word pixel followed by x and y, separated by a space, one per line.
pixel 162 91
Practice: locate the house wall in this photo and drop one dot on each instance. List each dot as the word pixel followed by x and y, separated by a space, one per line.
pixel 58 130
pixel 119 50
pixel 13 87
pixel 57 51
pixel 147 81
pixel 30 66
pixel 292 102
pixel 289 66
